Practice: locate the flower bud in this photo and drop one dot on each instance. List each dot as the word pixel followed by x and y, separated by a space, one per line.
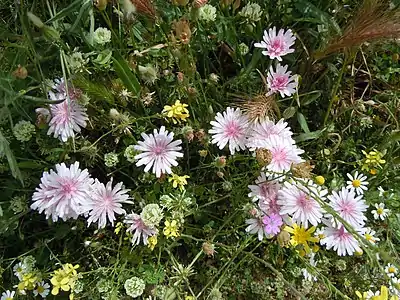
pixel 114 114
pixel 199 3
pixel 283 238
pixel 20 72
pixel 100 4
pixel 220 161
pixel 51 33
pixel 320 180
pixel 208 249
pixel 203 153
pixel 35 20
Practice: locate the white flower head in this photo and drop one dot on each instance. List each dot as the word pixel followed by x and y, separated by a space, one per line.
pixel 369 235
pixel 42 289
pixel 134 287
pixel 298 201
pixel 102 36
pixel 276 45
pixel 281 81
pixel 105 202
pixel 159 151
pixel 357 183
pixel 62 193
pixel 7 295
pixel 261 131
pixel 138 229
pixel 391 270
pixel 256 226
pixel 380 212
pixel 207 13
pixel 350 207
pixel 340 240
pixel 231 127
pixel 283 153
pixel 252 12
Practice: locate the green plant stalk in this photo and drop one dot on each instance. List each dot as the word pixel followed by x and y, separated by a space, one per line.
pixel 334 91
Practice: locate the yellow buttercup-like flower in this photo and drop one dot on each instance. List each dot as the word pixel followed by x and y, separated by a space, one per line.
pixel 177 112
pixel 372 160
pixel 28 282
pixel 152 242
pixel 301 236
pixel 171 229
pixel 64 279
pixel 178 181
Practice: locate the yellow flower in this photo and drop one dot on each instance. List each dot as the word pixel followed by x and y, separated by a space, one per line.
pixel 362 296
pixel 64 279
pixel 177 112
pixel 384 295
pixel 301 236
pixel 189 298
pixel 118 227
pixel 372 160
pixel 171 229
pixel 320 180
pixel 28 281
pixel 152 242
pixel 178 181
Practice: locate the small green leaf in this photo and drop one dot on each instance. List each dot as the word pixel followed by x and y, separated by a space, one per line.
pixel 303 122
pixel 289 112
pixel 87 5
pixel 308 136
pixel 311 97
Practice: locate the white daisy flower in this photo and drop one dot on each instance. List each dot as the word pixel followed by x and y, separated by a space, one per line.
pixel 349 207
pixel 42 289
pixel 298 201
pixel 340 240
pixel 357 183
pixel 276 45
pixel 159 151
pixel 369 235
pixel 231 127
pixel 7 295
pixel 391 270
pixel 380 212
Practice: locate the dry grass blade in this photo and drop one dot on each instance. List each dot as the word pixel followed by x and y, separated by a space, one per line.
pixel 145 7
pixel 374 21
pixel 260 107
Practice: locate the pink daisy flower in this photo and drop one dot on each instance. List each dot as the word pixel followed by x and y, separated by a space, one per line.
pixel 266 192
pixel 272 224
pixel 283 153
pixel 281 81
pixel 139 230
pixel 59 86
pixel 265 129
pixel 106 201
pixel 298 201
pixel 340 240
pixel 349 207
pixel 158 151
pixel 67 118
pixel 62 193
pixel 230 127
pixel 256 226
pixel 276 45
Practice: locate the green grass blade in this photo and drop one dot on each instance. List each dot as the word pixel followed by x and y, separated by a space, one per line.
pixel 126 75
pixel 66 11
pixel 5 150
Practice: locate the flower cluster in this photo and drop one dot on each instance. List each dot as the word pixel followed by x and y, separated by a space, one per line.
pixel 177 112
pixel 64 279
pixel 69 192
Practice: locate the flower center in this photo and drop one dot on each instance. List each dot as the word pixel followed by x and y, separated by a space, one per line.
pixel 280 82
pixel 68 187
pixel 158 150
pixel 347 208
pixel 392 270
pixel 232 129
pixel 304 201
pixel 301 236
pixel 40 289
pixel 277 46
pixel 280 155
pixel 379 211
pixel 356 183
pixel 369 237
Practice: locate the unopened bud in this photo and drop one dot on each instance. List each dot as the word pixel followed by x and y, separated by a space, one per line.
pixel 35 20
pixel 180 76
pixel 200 134
pixel 220 174
pixel 51 33
pixel 208 249
pixel 20 72
pixel 114 114
pixel 100 4
pixel 220 161
pixel 203 153
pixel 283 238
pixel 320 180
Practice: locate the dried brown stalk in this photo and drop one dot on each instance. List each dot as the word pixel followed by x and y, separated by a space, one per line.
pixel 145 7
pixel 374 21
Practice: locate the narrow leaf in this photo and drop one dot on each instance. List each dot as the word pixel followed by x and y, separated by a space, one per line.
pixel 5 150
pixel 308 136
pixel 302 122
pixel 125 74
pixel 67 10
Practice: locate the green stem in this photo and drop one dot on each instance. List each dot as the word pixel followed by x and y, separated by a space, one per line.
pixel 334 91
